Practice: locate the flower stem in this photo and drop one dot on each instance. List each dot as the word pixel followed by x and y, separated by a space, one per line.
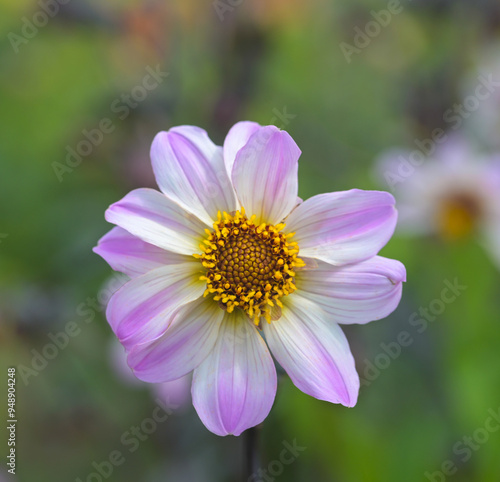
pixel 252 459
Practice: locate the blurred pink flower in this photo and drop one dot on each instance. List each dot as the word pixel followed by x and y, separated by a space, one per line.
pixel 215 268
pixel 454 194
pixel 175 394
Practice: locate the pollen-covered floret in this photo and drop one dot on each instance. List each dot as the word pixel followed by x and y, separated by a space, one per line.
pixel 249 265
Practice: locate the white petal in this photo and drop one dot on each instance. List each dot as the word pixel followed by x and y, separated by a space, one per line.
pixel 155 219
pixel 354 293
pixel 142 309
pixel 236 138
pixel 265 174
pixel 314 352
pixel 343 227
pixel 127 253
pixel 234 388
pixel 185 344
pixel 190 170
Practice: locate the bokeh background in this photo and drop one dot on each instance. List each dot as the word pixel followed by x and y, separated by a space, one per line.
pixel 275 62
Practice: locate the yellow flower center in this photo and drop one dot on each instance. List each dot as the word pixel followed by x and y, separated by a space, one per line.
pixel 458 216
pixel 249 266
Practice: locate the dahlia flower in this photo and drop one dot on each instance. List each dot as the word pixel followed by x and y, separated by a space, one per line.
pixel 455 194
pixel 228 265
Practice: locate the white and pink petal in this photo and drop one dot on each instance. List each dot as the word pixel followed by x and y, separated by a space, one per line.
pixel 354 293
pixel 234 387
pixel 236 138
pixel 128 254
pixel 343 227
pixel 190 170
pixel 265 174
pixel 142 310
pixel 184 345
pixel 156 220
pixel 314 352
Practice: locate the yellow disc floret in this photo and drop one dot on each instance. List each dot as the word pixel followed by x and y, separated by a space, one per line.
pixel 458 215
pixel 249 266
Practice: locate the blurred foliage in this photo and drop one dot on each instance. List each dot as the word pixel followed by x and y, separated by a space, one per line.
pixel 261 61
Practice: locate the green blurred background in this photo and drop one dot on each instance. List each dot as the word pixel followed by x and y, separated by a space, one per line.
pixel 275 62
